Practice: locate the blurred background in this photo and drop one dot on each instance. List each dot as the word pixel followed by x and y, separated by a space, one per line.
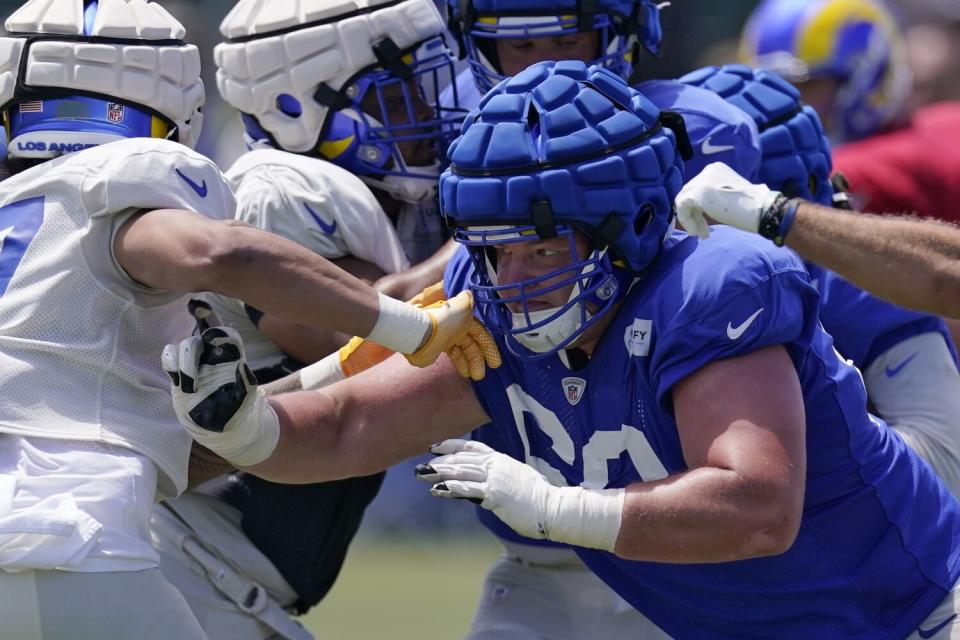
pixel 417 567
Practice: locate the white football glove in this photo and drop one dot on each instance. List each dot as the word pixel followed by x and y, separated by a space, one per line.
pixel 724 195
pixel 522 497
pixel 216 398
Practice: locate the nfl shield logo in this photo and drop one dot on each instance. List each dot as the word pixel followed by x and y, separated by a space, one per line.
pixel 573 389
pixel 114 112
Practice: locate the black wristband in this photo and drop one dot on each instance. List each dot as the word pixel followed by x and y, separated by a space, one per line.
pixel 776 220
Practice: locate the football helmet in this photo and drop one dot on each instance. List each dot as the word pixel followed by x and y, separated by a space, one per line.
pixel 622 24
pixel 556 150
pixel 796 158
pixel 857 43
pixel 354 82
pixel 79 73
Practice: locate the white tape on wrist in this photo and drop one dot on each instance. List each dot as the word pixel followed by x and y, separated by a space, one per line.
pixel 585 517
pixel 248 439
pixel 322 373
pixel 401 326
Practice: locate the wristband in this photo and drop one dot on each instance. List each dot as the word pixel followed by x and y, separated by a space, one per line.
pixel 776 220
pixel 585 517
pixel 401 326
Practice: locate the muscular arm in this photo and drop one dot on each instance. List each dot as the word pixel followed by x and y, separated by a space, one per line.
pixel 306 343
pixel 913 263
pixel 741 423
pixel 369 422
pixel 185 251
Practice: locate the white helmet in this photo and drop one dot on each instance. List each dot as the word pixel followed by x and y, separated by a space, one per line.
pixel 78 73
pixel 298 71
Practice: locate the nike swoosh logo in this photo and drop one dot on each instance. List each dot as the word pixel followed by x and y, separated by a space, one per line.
pixel 709 149
pixel 932 631
pixel 326 228
pixel 893 371
pixel 201 189
pixel 735 332
pixel 3 236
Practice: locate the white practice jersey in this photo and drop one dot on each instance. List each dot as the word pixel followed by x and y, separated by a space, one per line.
pixel 316 204
pixel 80 341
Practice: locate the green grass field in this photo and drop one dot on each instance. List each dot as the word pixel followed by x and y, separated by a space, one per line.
pixel 405 590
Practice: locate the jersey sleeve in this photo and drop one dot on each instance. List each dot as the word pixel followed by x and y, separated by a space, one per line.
pixel 131 176
pixel 458 272
pixel 864 326
pixel 332 215
pixel 144 174
pixel 718 320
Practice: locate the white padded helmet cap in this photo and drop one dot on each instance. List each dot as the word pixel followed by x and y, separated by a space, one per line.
pixel 162 74
pixel 334 42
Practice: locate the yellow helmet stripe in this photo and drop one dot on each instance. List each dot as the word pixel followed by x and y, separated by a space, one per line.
pixel 331 149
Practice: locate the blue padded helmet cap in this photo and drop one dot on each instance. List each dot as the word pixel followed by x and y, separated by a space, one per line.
pixel 718 131
pixel 796 157
pixel 577 138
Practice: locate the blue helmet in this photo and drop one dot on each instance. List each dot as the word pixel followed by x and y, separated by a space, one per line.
pixel 622 24
pixel 83 74
pixel 557 149
pixel 856 43
pixel 795 152
pixel 349 83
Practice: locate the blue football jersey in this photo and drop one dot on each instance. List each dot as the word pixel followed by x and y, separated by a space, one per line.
pixel 864 326
pixel 877 547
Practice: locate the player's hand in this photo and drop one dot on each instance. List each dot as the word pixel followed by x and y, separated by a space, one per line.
pixel 457 332
pixel 517 493
pixel 216 398
pixel 722 194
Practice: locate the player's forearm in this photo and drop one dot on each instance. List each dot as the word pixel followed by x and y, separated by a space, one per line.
pixel 369 422
pixel 303 287
pixel 707 515
pixel 913 263
pixel 184 251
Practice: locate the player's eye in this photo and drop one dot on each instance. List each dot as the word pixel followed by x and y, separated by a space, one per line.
pixel 518 45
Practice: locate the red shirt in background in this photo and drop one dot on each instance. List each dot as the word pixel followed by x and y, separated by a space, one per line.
pixel 914 169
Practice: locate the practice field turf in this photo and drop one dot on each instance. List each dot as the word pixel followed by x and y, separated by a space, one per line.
pixel 405 590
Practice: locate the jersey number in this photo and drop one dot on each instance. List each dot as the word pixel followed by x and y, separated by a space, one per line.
pixel 19 223
pixel 602 447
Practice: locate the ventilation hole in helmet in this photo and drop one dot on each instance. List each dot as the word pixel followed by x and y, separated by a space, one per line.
pixel 289 106
pixel 533 116
pixel 644 218
pixel 812 183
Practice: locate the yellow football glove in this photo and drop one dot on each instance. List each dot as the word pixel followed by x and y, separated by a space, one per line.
pixel 360 354
pixel 474 351
pixel 457 332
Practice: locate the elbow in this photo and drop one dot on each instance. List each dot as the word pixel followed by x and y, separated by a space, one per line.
pixel 775 528
pixel 221 257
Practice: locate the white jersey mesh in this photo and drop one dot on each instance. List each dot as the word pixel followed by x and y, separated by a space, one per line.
pixel 79 340
pixel 315 204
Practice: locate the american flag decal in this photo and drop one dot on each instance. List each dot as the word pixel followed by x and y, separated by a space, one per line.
pixel 31 106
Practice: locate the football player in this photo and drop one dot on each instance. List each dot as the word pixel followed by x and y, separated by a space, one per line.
pixel 502 37
pixel 848 59
pixel 344 161
pixel 670 407
pixel 908 359
pixel 109 220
